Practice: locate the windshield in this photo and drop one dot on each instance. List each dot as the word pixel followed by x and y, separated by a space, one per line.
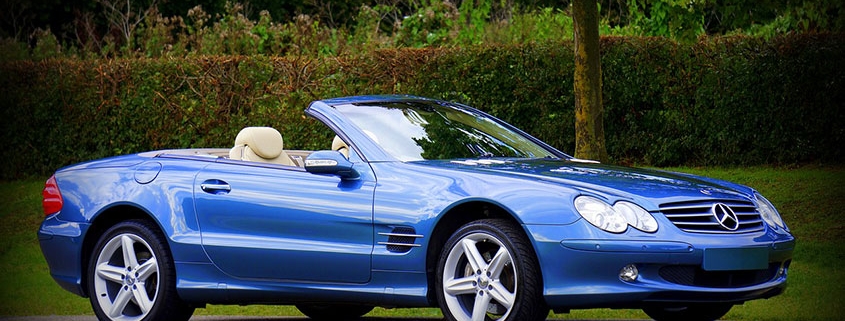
pixel 426 130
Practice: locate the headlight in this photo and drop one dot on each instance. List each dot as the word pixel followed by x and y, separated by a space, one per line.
pixel 616 218
pixel 769 213
pixel 600 214
pixel 636 216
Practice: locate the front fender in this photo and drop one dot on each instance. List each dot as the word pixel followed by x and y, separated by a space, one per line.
pixel 409 192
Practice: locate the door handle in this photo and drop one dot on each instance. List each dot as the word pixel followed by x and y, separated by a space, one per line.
pixel 215 187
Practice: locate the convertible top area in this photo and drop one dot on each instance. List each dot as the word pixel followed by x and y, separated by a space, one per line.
pixel 297 157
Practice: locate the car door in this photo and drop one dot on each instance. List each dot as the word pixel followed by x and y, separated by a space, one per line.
pixel 280 222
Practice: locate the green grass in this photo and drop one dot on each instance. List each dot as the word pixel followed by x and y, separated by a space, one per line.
pixel 810 198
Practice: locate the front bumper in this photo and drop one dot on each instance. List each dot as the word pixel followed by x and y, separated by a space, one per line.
pixel 581 266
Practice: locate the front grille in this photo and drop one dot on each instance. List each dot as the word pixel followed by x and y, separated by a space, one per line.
pixel 697 216
pixel 694 275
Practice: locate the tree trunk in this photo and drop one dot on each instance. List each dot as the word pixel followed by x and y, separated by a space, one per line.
pixel 589 113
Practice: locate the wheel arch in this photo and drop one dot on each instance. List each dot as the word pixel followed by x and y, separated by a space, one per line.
pixel 450 221
pixel 107 218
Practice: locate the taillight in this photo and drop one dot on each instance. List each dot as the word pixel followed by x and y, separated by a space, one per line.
pixel 52 197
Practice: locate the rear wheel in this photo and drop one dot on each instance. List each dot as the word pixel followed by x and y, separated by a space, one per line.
pixel 131 276
pixel 488 271
pixel 697 312
pixel 333 311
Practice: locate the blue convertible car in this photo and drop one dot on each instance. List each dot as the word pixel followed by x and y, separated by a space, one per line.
pixel 418 203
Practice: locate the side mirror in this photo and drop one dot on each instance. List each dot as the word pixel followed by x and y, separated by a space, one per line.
pixel 331 162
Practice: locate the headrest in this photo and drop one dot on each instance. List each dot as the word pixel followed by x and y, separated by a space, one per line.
pixel 338 144
pixel 265 142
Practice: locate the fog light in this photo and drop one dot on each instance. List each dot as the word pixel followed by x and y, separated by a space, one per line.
pixel 629 273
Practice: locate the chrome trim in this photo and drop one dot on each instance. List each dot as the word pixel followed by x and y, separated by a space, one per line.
pixel 721 232
pixel 400 244
pixel 215 187
pixel 687 215
pixel 400 235
pixel 706 205
pixel 698 217
pixel 725 216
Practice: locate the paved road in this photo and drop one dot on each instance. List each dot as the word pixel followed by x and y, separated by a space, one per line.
pixel 196 318
pixel 207 318
pixel 199 318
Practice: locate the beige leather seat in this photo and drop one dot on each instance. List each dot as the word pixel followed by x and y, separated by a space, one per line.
pixel 260 144
pixel 340 146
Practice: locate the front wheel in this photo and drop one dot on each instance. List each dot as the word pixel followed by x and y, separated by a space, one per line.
pixel 488 271
pixel 697 312
pixel 131 276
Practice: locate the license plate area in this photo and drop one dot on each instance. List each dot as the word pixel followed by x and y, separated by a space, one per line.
pixel 751 258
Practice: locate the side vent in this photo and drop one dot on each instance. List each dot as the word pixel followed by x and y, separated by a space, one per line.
pixel 401 239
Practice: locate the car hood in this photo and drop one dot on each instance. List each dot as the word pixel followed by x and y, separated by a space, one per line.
pixel 610 181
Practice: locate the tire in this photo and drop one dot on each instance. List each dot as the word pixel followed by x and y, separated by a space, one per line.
pixel 334 311
pixel 697 312
pixel 488 271
pixel 131 276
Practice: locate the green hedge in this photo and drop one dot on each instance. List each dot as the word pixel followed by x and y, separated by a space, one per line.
pixel 722 101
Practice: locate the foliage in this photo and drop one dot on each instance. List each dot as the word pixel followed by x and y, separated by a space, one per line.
pixel 46 45
pixel 154 28
pixel 676 19
pixel 11 50
pixel 548 24
pixel 474 15
pixel 816 15
pixel 431 25
pixel 731 100
pixel 723 101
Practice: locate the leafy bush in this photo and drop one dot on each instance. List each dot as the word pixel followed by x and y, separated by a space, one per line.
pixel 432 25
pixel 221 27
pixel 725 101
